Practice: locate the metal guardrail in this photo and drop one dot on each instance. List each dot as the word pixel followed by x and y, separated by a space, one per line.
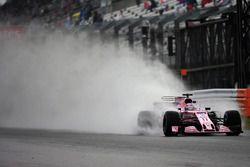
pixel 241 97
pixel 215 93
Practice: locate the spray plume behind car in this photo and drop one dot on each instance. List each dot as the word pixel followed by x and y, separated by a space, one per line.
pixel 66 82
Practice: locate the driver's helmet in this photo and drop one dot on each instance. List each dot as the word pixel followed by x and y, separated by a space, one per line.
pixel 190 106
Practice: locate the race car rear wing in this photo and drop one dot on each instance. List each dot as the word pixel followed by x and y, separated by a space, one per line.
pixel 170 99
pixel 173 99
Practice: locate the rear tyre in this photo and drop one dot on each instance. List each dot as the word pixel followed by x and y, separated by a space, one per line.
pixel 232 120
pixel 171 118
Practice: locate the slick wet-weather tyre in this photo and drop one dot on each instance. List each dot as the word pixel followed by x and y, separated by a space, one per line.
pixel 171 118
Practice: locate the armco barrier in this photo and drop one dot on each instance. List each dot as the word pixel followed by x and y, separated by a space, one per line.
pixel 241 97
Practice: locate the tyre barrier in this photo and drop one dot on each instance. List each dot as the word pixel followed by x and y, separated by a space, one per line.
pixel 243 99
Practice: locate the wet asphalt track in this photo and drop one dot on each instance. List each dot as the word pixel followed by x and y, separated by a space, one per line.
pixel 27 148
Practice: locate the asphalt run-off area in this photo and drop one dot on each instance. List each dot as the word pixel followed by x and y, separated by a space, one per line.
pixel 40 148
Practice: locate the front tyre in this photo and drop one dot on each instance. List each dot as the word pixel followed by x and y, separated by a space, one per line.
pixel 171 118
pixel 232 120
pixel 213 117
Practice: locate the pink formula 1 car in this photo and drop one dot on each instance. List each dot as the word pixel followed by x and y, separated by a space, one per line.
pixel 187 118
